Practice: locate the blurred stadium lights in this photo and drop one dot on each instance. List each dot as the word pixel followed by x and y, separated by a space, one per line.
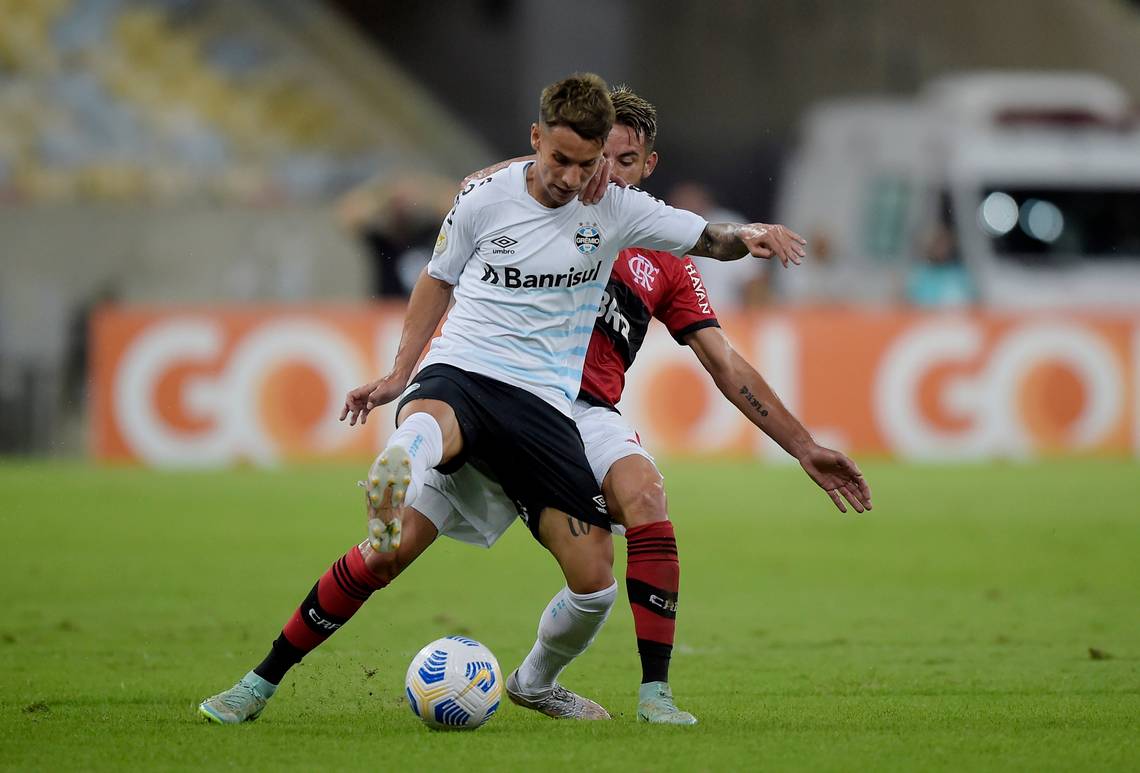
pixel 1042 220
pixel 998 213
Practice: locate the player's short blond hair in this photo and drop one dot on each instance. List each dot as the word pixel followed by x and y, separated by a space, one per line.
pixel 635 112
pixel 581 102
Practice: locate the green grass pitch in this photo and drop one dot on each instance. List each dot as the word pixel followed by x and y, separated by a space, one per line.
pixel 948 630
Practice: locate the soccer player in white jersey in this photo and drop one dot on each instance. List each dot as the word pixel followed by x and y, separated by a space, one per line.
pixel 526 263
pixel 644 285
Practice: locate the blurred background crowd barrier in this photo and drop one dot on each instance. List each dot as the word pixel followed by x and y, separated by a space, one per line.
pixel 200 202
pixel 262 385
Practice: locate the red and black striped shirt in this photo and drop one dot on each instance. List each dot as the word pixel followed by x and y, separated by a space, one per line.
pixel 644 284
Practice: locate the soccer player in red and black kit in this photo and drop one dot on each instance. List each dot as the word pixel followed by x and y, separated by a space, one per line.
pixel 645 284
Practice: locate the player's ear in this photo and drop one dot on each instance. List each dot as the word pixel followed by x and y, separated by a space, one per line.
pixel 534 137
pixel 650 164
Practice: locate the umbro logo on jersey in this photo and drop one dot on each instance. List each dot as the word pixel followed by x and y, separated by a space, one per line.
pixel 587 238
pixel 503 245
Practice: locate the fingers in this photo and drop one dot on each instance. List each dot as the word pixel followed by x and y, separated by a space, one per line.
pixel 857 483
pixel 834 494
pixel 350 409
pixel 369 405
pixel 764 241
pixel 864 491
pixel 375 399
pixel 850 494
pixel 593 190
pixel 792 243
pixel 354 410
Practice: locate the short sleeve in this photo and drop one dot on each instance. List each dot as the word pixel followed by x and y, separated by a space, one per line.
pixel 455 244
pixel 654 225
pixel 687 309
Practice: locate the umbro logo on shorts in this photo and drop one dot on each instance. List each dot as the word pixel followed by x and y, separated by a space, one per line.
pixel 407 392
pixel 600 503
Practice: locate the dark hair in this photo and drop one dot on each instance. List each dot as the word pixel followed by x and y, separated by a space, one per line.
pixel 581 102
pixel 636 113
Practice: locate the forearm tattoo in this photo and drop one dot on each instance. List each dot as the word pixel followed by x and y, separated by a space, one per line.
pixel 751 398
pixel 720 241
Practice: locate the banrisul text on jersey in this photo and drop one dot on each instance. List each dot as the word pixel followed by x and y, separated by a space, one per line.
pixel 514 277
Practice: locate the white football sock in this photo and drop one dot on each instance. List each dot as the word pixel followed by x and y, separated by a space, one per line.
pixel 568 625
pixel 421 437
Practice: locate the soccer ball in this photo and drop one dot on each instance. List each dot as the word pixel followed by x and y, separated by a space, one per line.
pixel 454 684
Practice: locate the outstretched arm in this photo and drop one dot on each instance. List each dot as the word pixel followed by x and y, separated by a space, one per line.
pixel 732 241
pixel 746 389
pixel 429 301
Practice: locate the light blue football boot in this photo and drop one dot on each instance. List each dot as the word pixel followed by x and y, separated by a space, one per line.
pixel 655 705
pixel 243 702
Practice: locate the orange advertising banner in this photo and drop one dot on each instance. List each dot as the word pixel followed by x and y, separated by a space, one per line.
pixel 218 386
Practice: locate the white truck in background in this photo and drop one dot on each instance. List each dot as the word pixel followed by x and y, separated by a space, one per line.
pixel 1027 185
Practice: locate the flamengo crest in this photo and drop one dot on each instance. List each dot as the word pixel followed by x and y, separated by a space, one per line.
pixel 644 272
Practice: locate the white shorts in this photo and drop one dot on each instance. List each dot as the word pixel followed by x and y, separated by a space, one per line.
pixel 607 436
pixel 467 506
pixel 470 507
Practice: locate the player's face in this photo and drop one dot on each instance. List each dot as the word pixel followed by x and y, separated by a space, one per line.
pixel 627 152
pixel 565 162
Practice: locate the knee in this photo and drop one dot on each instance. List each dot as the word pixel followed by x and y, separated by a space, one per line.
pixel 646 504
pixel 594 579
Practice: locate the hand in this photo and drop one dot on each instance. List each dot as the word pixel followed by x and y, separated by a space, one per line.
pixel 593 191
pixel 837 475
pixel 764 241
pixel 360 401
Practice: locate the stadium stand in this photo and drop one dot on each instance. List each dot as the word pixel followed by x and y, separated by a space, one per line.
pixel 184 151
pixel 168 99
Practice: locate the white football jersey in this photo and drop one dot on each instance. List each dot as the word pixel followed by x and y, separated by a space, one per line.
pixel 529 279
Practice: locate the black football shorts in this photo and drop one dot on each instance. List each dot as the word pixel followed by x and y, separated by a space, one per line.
pixel 532 450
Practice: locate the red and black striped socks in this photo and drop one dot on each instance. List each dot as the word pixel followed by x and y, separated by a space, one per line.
pixel 652 578
pixel 341 591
